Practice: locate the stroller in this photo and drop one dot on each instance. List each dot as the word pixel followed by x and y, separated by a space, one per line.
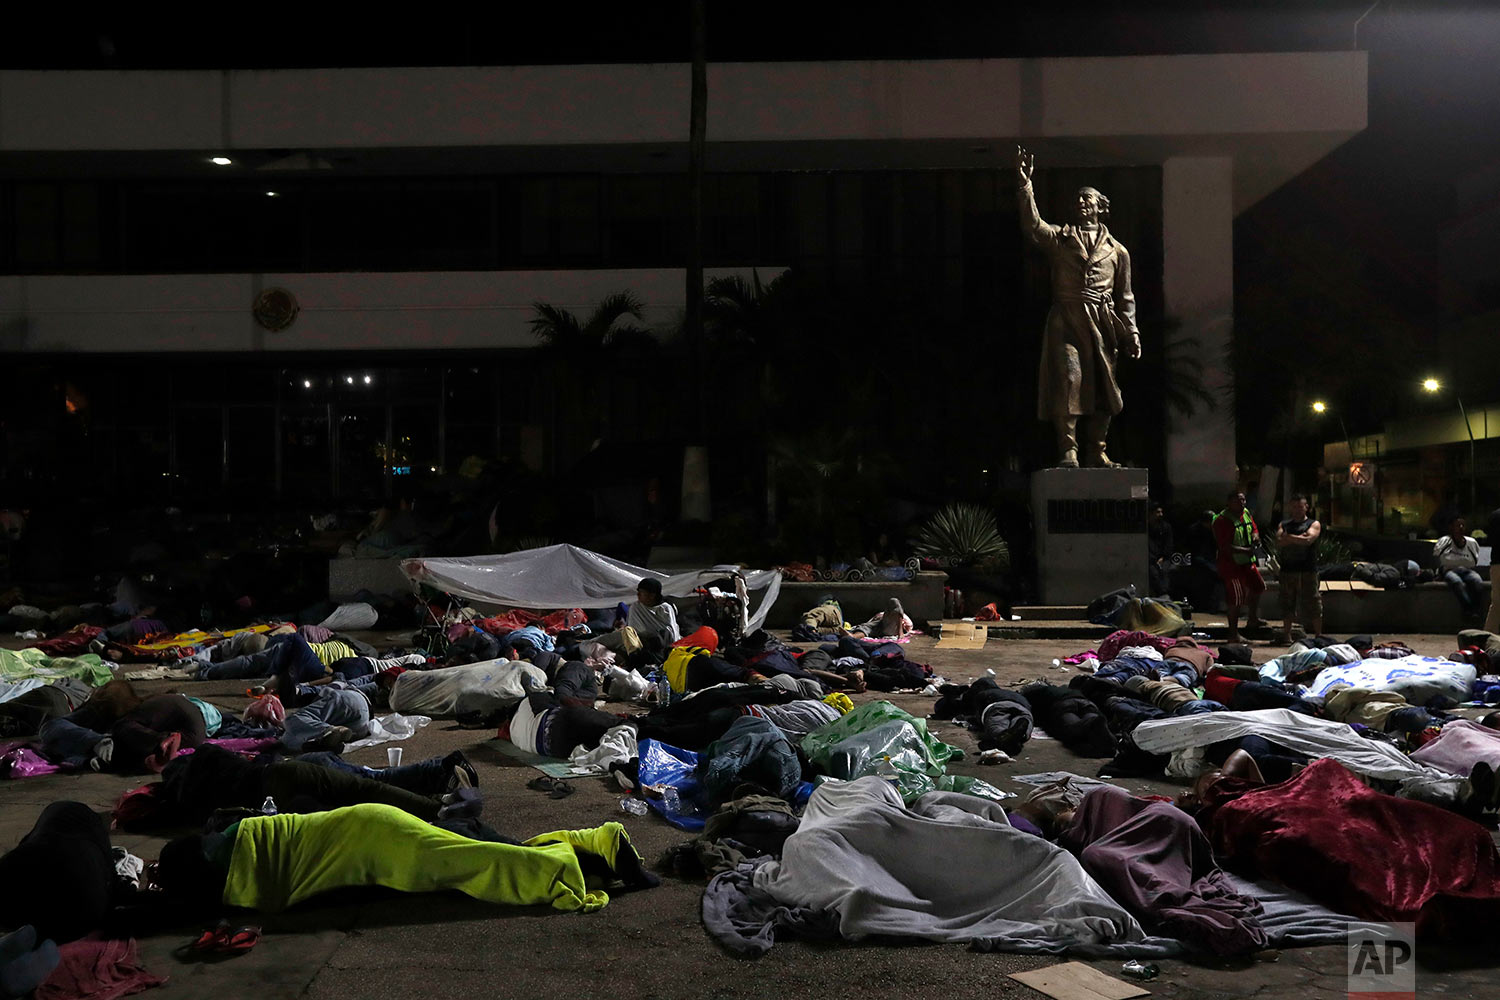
pixel 439 611
pixel 723 606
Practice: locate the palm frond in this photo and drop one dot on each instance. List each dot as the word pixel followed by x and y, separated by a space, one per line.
pixel 611 309
pixel 555 326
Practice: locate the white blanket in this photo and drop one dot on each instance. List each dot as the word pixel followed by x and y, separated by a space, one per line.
pixel 1418 679
pixel 475 687
pixel 1306 735
pixel 950 868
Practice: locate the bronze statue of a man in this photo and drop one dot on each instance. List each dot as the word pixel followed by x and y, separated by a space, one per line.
pixel 1091 321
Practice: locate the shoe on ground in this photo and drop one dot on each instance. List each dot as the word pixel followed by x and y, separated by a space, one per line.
pixel 331 740
pixel 461 773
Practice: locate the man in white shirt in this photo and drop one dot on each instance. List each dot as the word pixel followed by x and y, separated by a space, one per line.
pixel 652 617
pixel 1457 555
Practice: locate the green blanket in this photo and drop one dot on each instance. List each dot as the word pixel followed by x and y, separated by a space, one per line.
pixel 20 664
pixel 281 860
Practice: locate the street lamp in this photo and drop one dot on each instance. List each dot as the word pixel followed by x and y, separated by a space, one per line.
pixel 1320 408
pixel 1433 385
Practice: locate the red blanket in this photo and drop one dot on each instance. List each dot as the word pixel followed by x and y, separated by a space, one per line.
pixel 94 969
pixel 1365 853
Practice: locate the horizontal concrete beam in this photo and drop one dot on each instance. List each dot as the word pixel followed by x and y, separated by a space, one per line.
pixel 404 310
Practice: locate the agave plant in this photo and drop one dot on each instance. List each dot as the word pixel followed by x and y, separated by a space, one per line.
pixel 963 534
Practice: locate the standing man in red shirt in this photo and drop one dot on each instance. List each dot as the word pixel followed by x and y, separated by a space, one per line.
pixel 1236 536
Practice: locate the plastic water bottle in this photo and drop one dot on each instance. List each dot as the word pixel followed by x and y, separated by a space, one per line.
pixel 887 770
pixel 268 807
pixel 633 806
pixel 672 800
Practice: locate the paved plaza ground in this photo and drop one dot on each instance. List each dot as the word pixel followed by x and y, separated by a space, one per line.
pixel 651 944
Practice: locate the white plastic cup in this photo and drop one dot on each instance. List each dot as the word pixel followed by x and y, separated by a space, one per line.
pixel 393 757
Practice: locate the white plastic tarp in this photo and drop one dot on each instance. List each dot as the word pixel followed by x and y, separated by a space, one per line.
pixel 565 576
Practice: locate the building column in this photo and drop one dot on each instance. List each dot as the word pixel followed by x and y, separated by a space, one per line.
pixel 1198 291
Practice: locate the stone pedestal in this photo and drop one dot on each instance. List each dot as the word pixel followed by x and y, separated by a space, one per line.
pixel 1090 532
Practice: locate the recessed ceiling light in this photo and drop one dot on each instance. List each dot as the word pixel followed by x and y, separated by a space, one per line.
pixel 368 380
pixel 271 194
pixel 349 379
pixel 220 161
pixel 307 383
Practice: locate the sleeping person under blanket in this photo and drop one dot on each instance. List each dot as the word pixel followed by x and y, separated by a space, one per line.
pixel 273 862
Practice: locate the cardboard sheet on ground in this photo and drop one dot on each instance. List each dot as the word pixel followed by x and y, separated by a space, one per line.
pixel 1076 981
pixel 552 767
pixel 964 635
pixel 565 576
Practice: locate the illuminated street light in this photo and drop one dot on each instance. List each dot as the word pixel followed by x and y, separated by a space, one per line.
pixel 1433 385
pixel 1320 407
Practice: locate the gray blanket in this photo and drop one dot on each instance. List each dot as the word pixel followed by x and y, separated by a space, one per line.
pixel 1041 903
pixel 950 868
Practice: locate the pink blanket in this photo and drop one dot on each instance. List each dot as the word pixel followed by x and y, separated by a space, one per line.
pixel 1460 746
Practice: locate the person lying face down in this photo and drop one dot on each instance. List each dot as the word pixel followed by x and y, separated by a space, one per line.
pixel 118 730
pixel 195 786
pixel 273 862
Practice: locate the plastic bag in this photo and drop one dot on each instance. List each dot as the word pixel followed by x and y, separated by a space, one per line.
pixel 24 762
pixel 878 737
pixel 390 727
pixel 661 764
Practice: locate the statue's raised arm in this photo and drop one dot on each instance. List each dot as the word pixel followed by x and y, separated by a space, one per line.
pixel 1032 224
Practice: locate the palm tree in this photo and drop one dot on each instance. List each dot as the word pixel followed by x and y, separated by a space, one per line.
pixel 748 323
pixel 606 327
pixel 577 346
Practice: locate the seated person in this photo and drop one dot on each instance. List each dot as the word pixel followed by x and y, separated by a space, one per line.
pixel 652 616
pixel 117 730
pixel 1457 556
pixel 273 862
pixel 892 623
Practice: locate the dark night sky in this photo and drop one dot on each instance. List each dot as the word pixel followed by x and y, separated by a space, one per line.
pixel 1434 76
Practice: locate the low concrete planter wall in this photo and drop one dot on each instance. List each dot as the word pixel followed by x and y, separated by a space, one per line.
pixel 347 577
pixel 921 597
pixel 1426 608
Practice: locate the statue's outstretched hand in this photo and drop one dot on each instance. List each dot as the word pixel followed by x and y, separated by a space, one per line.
pixel 1025 164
